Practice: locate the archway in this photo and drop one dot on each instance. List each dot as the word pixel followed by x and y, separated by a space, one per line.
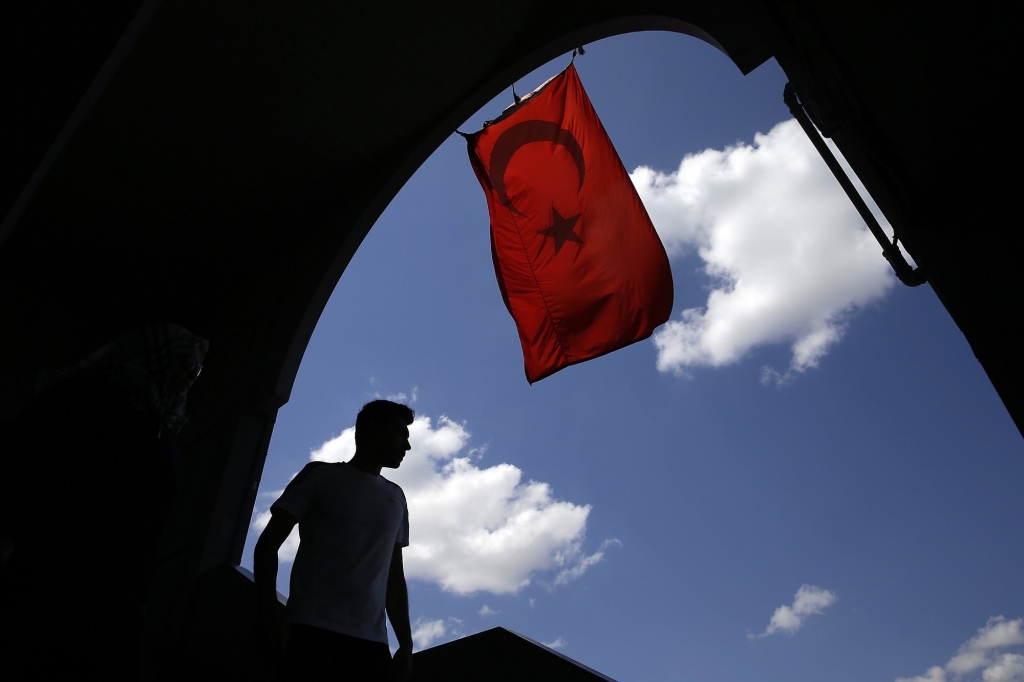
pixel 196 179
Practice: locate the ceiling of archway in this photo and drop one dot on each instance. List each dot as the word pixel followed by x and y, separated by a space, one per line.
pixel 238 153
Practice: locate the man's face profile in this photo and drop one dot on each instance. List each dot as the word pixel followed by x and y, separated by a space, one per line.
pixel 394 443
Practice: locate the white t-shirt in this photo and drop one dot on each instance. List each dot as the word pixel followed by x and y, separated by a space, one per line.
pixel 349 524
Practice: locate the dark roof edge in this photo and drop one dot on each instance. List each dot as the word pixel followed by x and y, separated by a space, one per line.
pixel 590 670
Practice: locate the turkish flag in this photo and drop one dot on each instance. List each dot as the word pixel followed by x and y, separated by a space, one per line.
pixel 578 262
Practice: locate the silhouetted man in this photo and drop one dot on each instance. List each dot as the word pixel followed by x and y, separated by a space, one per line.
pixel 353 524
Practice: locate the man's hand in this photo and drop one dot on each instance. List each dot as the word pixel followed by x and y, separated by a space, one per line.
pixel 401 664
pixel 397 604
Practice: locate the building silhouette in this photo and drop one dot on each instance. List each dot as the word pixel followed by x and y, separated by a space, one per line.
pixel 218 164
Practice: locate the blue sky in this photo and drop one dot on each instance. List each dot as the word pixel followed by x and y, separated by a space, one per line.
pixel 809 425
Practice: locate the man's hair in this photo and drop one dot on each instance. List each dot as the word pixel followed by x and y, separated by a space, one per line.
pixel 378 414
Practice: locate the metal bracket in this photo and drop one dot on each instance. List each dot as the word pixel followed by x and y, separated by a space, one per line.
pixel 912 277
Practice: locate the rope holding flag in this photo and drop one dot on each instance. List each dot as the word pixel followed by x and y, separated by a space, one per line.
pixel 579 264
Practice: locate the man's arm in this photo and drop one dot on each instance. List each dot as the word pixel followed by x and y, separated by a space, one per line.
pixel 397 605
pixel 268 611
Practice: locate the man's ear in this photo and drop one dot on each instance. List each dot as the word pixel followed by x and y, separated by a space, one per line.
pixel 372 437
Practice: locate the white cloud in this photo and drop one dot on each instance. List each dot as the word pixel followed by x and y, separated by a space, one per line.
pixel 981 652
pixel 337 449
pixel 934 674
pixel 399 397
pixel 426 632
pixel 402 397
pixel 808 601
pixel 559 643
pixel 1007 668
pixel 789 258
pixel 474 528
pixel 975 653
pixel 486 610
pixel 579 568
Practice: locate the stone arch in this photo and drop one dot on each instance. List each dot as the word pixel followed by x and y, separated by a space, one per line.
pixel 197 181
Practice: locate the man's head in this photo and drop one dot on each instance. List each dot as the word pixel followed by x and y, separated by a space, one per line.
pixel 382 432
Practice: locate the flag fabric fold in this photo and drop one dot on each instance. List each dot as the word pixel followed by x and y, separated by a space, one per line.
pixel 578 262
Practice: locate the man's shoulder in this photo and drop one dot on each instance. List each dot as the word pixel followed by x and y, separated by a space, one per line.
pixel 313 466
pixel 394 487
pixel 311 470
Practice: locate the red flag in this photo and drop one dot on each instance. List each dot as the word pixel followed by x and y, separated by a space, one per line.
pixel 578 262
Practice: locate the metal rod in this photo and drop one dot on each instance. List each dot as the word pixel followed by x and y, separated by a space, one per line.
pixel 912 277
